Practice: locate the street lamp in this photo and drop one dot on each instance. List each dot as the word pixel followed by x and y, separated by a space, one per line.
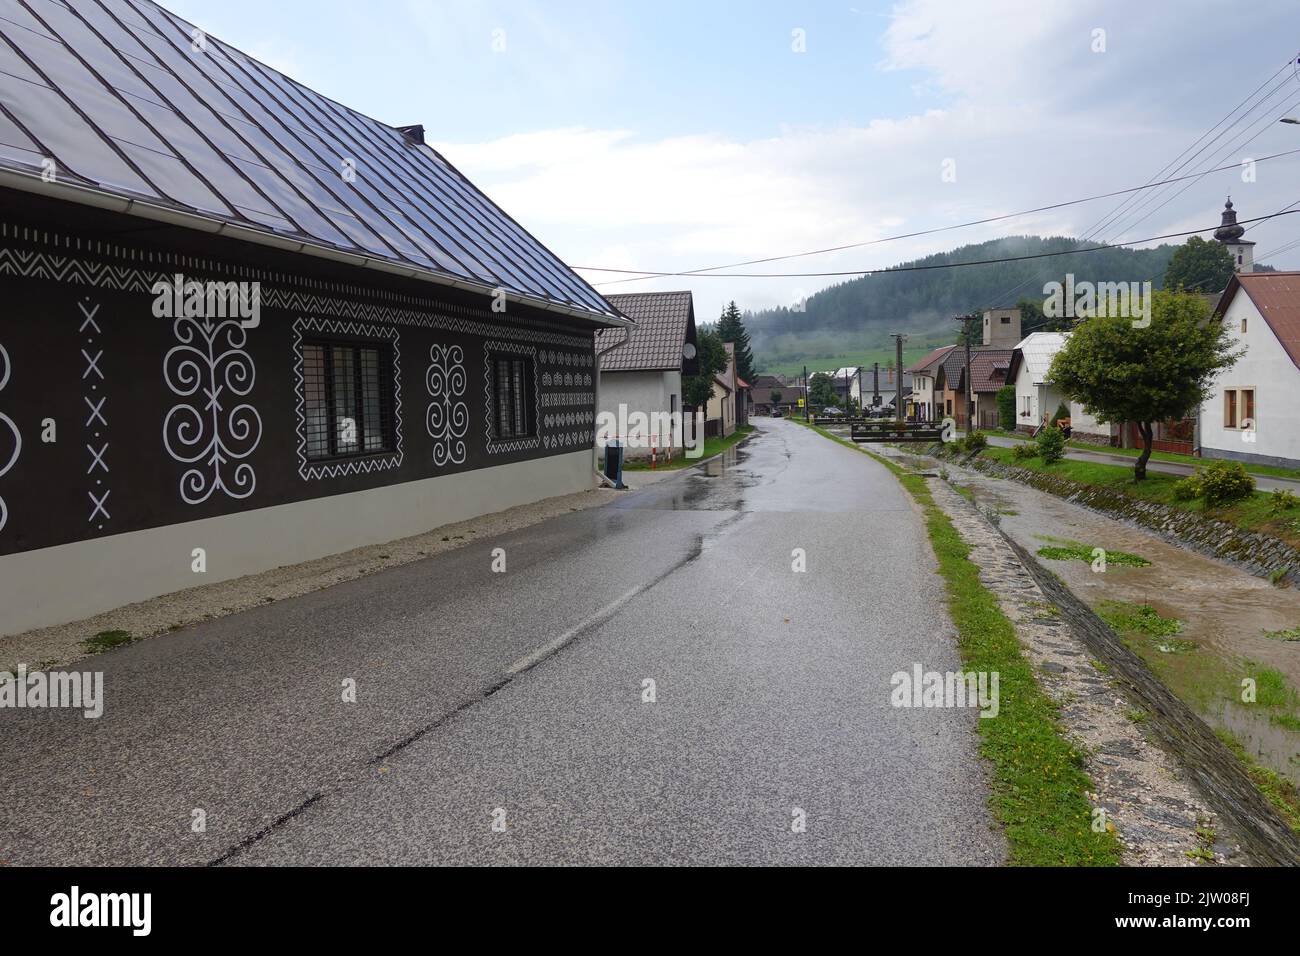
pixel 1290 119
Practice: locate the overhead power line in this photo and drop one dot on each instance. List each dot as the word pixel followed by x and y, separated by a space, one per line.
pixel 971 262
pixel 640 274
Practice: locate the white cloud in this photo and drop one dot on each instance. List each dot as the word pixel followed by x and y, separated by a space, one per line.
pixel 1034 117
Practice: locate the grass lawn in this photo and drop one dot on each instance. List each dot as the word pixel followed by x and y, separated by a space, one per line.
pixel 1039 784
pixel 712 446
pixel 1255 513
pixel 1270 470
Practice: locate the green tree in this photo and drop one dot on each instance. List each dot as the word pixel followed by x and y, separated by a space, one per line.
pixel 1032 318
pixel 1124 372
pixel 821 391
pixel 731 328
pixel 1200 265
pixel 1007 408
pixel 712 357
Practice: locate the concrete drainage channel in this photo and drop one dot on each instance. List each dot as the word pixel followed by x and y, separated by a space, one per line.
pixel 1262 836
pixel 1265 838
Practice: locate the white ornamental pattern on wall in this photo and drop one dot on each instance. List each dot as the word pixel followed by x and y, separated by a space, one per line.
pixel 568 399
pixel 210 370
pixel 447 418
pixel 9 434
pixel 97 471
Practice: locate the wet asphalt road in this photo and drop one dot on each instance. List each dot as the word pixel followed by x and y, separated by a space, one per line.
pixel 518 697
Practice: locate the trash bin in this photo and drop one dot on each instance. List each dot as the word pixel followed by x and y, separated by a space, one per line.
pixel 614 462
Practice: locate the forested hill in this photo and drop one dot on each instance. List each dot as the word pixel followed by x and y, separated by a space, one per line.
pixel 927 300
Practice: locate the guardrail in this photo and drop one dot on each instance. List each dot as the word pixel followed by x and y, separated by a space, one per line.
pixel 875 430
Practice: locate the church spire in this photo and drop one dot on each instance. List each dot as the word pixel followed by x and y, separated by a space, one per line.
pixel 1228 230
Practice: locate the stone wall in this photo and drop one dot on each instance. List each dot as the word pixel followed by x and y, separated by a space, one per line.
pixel 1258 553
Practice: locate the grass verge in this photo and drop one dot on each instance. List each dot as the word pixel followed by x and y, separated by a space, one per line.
pixel 712 446
pixel 1039 784
pixel 1256 513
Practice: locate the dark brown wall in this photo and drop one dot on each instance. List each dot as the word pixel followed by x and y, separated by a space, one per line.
pixel 67 296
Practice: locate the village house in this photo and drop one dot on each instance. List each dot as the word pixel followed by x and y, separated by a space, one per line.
pixel 989 369
pixel 641 369
pixel 726 400
pixel 924 373
pixel 1252 414
pixel 1037 399
pixel 770 393
pixel 950 387
pixel 246 326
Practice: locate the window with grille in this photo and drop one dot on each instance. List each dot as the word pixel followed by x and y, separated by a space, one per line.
pixel 348 394
pixel 513 414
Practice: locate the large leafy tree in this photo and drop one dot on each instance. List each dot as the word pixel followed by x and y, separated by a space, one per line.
pixel 1123 372
pixel 1200 265
pixel 731 328
pixel 696 389
pixel 821 391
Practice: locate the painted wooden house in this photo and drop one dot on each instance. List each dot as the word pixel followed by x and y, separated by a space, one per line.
pixel 242 321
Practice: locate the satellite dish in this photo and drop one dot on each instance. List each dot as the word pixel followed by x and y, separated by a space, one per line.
pixel 688 350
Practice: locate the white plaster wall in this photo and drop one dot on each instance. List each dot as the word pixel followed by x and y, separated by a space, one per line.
pixel 1043 399
pixel 644 392
pixel 1268 369
pixel 74 581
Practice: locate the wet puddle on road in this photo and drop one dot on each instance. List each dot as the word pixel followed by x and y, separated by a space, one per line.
pixel 1227 614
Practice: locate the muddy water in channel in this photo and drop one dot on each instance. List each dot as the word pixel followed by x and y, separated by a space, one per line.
pixel 1225 611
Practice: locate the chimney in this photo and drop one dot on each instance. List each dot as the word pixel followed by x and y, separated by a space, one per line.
pixel 414 133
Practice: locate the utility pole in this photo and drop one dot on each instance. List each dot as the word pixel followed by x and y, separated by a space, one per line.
pixel 875 384
pixel 899 339
pixel 805 393
pixel 862 412
pixel 966 320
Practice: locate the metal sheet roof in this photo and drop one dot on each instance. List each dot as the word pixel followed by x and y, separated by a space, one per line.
pixel 663 321
pixel 130 101
pixel 1037 351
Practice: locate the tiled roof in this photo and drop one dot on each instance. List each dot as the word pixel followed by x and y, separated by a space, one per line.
pixel 988 369
pixel 663 322
pixel 1277 297
pixel 790 394
pixel 931 361
pixel 142 113
pixel 953 366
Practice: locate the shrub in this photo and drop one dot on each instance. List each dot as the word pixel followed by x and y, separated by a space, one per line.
pixel 1051 444
pixel 1007 408
pixel 975 441
pixel 1187 489
pixel 1023 451
pixel 1283 500
pixel 1225 481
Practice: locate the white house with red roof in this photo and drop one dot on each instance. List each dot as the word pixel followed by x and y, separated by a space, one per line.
pixel 1253 414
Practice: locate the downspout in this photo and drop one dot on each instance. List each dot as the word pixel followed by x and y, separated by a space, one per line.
pixel 601 480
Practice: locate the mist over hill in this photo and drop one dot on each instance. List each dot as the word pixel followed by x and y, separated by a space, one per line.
pixel 860 313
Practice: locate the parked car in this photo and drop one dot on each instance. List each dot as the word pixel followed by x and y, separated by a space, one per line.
pixel 777 413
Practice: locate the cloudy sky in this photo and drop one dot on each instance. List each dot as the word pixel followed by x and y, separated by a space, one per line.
pixel 680 134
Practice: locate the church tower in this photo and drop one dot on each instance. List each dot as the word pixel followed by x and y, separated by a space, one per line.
pixel 1230 234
